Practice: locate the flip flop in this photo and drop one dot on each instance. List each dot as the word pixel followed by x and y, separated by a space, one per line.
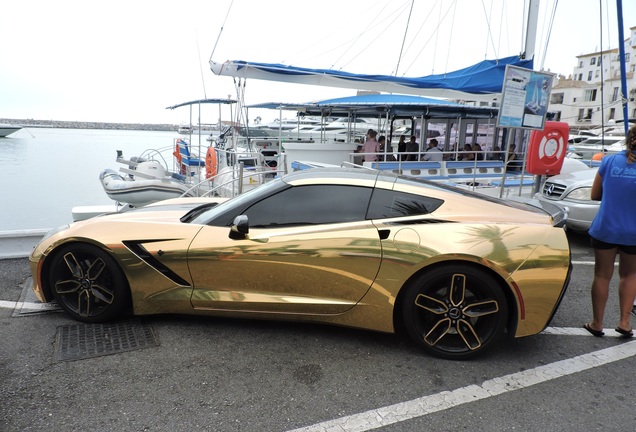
pixel 597 333
pixel 624 333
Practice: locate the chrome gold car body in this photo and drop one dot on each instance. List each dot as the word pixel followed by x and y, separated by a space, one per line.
pixel 366 268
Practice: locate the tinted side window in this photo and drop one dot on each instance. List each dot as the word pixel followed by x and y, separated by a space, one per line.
pixel 315 204
pixel 390 204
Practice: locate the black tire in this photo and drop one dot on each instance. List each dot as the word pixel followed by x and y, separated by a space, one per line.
pixel 455 312
pixel 88 283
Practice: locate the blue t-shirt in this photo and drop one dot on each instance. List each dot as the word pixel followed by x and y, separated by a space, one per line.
pixel 615 221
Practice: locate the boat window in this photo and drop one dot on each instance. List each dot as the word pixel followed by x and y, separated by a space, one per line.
pixel 311 204
pixel 389 204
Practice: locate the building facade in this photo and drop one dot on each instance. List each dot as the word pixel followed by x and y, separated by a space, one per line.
pixel 591 96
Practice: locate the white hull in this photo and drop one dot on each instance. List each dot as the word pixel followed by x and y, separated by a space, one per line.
pixel 6 130
pixel 140 192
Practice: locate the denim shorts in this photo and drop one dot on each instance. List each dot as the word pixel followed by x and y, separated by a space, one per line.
pixel 598 244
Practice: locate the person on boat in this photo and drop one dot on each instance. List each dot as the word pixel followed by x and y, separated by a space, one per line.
pixel 412 147
pixel 387 152
pixel 496 154
pixel 402 147
pixel 467 153
pixel 514 164
pixel 371 146
pixel 433 153
pixel 612 234
pixel 359 149
pixel 478 152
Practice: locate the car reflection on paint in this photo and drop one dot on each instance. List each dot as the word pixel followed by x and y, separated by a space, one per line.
pixel 453 269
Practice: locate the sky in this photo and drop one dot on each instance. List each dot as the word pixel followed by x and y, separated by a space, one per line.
pixel 126 61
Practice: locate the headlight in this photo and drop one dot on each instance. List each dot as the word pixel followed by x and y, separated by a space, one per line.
pixel 580 194
pixel 54 231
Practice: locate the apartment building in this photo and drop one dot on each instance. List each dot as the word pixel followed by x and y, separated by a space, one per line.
pixel 591 96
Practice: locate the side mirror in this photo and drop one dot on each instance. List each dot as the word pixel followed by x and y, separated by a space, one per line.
pixel 240 228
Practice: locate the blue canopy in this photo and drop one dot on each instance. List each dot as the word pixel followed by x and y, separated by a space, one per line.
pixel 483 78
pixel 394 105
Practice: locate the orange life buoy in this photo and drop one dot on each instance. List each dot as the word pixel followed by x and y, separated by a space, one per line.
pixel 547 149
pixel 210 163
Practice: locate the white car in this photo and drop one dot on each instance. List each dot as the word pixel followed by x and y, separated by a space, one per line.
pixel 571 192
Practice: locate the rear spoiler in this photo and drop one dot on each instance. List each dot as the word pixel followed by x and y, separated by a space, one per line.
pixel 559 216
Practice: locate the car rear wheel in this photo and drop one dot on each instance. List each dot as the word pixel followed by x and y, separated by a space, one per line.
pixel 87 283
pixel 455 312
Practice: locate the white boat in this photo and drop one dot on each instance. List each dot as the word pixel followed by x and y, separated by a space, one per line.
pixel 592 148
pixel 185 130
pixel 8 129
pixel 142 188
pixel 148 178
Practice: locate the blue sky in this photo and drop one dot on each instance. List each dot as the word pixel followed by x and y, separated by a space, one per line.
pixel 125 61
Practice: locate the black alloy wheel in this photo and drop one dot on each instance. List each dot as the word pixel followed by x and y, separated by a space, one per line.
pixel 87 283
pixel 455 312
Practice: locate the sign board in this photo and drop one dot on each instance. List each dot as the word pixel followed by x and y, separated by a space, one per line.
pixel 526 94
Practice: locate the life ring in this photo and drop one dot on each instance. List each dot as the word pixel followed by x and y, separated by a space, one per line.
pixel 211 165
pixel 547 149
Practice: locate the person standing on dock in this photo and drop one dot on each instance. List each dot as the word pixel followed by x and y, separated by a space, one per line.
pixel 612 233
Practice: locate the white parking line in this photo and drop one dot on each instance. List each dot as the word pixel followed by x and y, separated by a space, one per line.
pixel 22 305
pixel 420 407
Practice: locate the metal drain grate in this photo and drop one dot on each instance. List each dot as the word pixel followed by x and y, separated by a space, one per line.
pixel 81 340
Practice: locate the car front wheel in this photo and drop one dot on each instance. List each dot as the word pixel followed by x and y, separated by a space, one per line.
pixel 455 312
pixel 87 283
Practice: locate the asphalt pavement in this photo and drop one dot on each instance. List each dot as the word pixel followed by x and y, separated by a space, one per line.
pixel 184 373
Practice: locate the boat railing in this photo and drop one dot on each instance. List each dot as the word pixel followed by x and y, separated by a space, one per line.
pixel 151 154
pixel 488 168
pixel 239 181
pixel 209 186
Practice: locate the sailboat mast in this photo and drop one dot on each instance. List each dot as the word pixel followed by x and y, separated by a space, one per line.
pixel 531 29
pixel 621 53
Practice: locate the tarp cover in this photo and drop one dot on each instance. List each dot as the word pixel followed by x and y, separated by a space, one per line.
pixel 483 78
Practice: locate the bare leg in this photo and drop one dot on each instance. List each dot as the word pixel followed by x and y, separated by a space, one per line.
pixel 603 271
pixel 626 287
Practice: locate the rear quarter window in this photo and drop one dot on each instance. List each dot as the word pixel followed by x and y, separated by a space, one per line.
pixel 390 204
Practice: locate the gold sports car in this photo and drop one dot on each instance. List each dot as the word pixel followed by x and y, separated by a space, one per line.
pixel 352 247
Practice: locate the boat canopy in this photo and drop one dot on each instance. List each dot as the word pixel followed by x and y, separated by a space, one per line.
pixel 203 101
pixel 391 105
pixel 483 78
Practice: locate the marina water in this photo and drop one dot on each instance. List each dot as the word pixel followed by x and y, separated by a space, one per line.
pixel 45 172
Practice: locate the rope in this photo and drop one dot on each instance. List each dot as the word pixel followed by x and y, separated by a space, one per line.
pixel 221 31
pixel 489 35
pixel 450 35
pixel 406 29
pixel 547 40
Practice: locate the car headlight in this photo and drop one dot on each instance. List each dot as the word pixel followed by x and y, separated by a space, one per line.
pixel 580 194
pixel 54 231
